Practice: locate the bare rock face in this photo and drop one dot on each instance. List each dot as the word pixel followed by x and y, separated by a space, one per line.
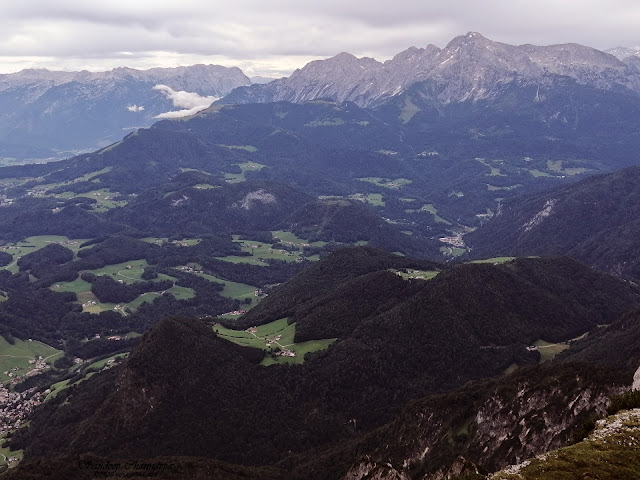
pixel 505 426
pixel 636 380
pixel 470 67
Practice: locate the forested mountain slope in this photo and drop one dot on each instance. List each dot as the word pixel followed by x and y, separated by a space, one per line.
pixel 597 221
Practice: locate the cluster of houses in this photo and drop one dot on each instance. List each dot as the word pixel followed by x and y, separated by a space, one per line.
pixel 271 341
pixel 186 268
pixel 15 406
pixel 37 192
pixel 180 243
pixel 234 313
pixel 456 241
pixel 294 244
pixel 38 366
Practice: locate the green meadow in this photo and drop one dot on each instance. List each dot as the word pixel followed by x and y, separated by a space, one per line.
pixel 15 358
pixel 396 184
pixel 33 244
pixel 273 336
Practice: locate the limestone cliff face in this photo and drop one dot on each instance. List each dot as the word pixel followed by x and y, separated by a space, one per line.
pixel 449 436
pixel 470 67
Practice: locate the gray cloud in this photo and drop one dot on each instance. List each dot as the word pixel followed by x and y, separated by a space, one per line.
pixel 276 36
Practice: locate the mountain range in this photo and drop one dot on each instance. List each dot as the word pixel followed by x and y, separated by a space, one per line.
pixel 470 67
pixel 417 269
pixel 52 114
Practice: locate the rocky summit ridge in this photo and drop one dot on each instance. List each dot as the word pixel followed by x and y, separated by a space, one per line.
pixel 469 67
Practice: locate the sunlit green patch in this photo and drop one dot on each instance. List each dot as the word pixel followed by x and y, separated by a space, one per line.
pixel 32 244
pixel 394 184
pixel 244 167
pixel 234 290
pixel 419 274
pixel 495 172
pixel 493 188
pixel 494 260
pixel 537 173
pixel 409 109
pixel 430 208
pixel 20 358
pixel 247 148
pixel 329 122
pixel 274 337
pixel 89 371
pixel 453 251
pixel 549 350
pixel 557 167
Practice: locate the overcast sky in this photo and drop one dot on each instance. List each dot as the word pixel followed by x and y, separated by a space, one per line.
pixel 273 37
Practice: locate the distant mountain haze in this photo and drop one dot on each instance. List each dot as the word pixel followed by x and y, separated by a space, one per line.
pixel 54 114
pixel 46 114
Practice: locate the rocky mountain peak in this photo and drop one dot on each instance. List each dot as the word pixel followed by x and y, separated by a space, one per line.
pixel 469 67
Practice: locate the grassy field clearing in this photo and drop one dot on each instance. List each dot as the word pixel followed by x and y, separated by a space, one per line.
pixel 236 291
pixel 537 173
pixel 6 454
pixel 276 335
pixel 247 148
pixel 373 199
pixel 494 260
pixel 453 251
pixel 549 350
pixel 56 388
pixel 557 167
pixel 262 252
pixel 90 302
pixel 84 178
pixel 421 274
pixel 290 237
pixel 430 208
pixel 104 197
pixel 396 184
pixel 493 188
pixel 185 242
pixel 329 122
pixel 32 244
pixel 15 358
pixel 128 272
pixel 495 172
pixel 245 167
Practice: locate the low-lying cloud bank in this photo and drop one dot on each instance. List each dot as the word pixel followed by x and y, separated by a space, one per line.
pixel 189 102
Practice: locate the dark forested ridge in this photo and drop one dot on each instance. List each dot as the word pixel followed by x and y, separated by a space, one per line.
pixel 147 245
pixel 595 221
pixel 331 149
pixel 468 322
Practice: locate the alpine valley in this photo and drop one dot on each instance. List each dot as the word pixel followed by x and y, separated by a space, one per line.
pixel 419 269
